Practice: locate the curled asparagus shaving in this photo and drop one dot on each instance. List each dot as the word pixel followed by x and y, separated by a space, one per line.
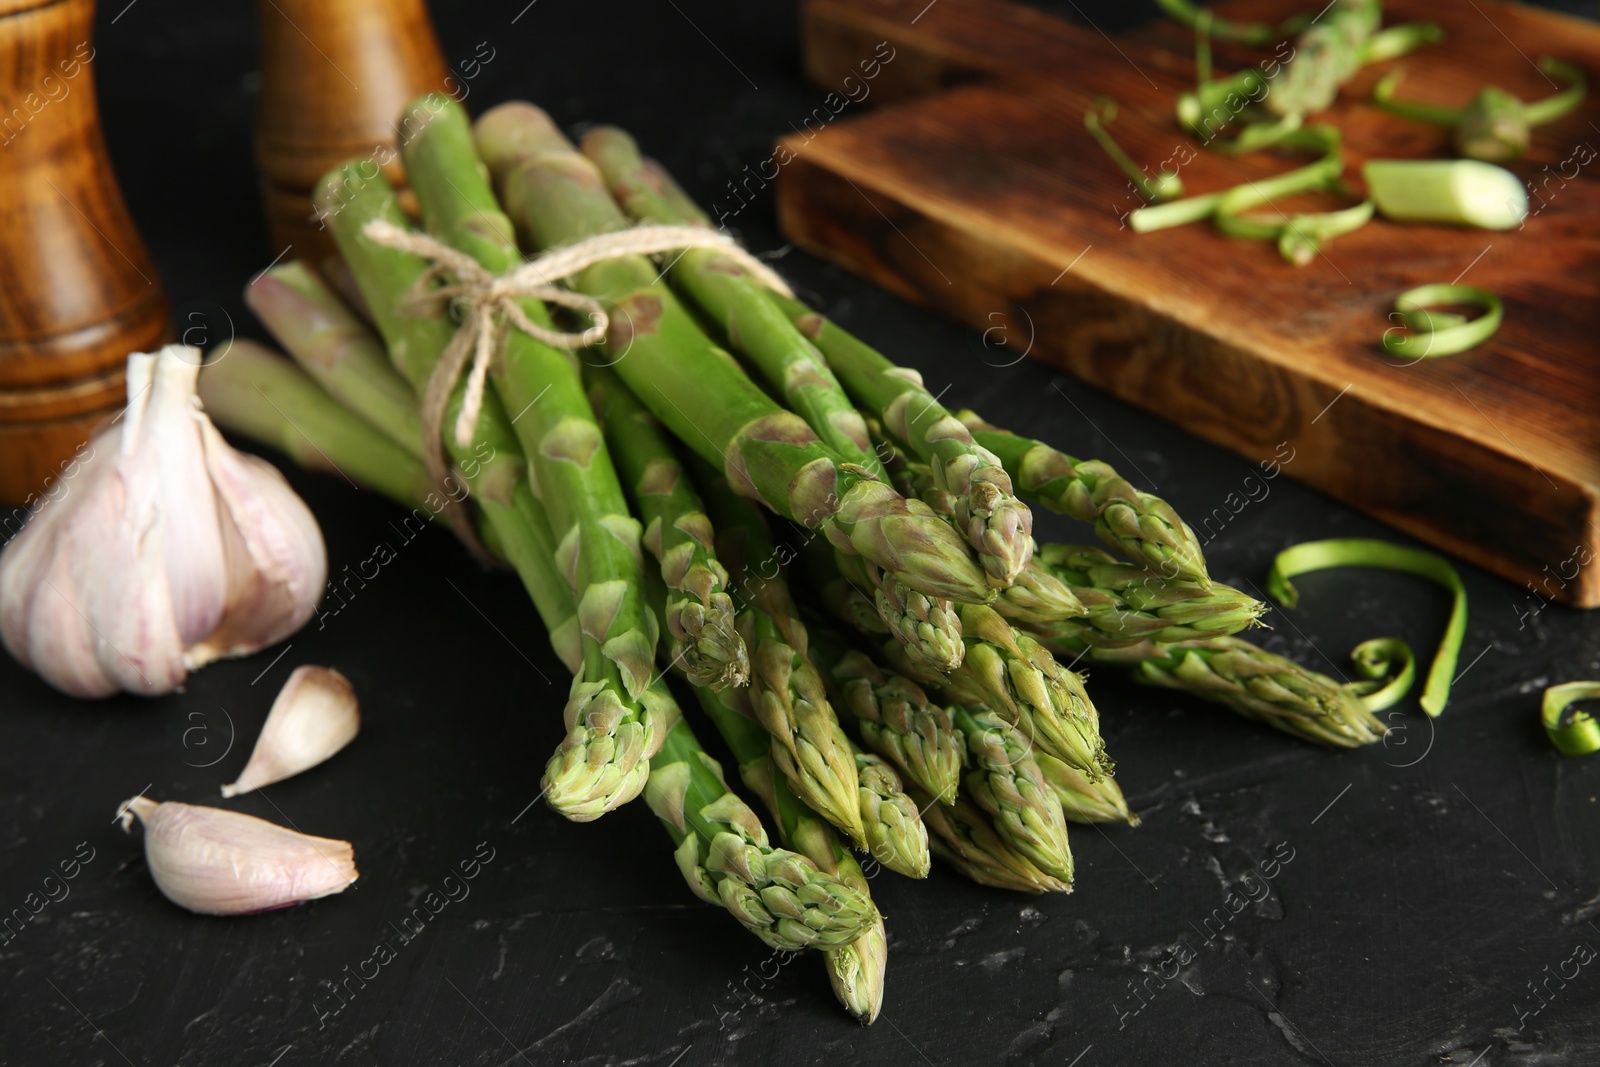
pixel 1362 552
pixel 1575 733
pixel 1495 126
pixel 1438 333
pixel 1164 186
pixel 699 613
pixel 896 719
pixel 1007 783
pixel 1257 34
pixel 896 836
pixel 1141 526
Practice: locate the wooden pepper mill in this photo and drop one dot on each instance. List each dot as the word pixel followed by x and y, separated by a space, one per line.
pixel 78 291
pixel 335 76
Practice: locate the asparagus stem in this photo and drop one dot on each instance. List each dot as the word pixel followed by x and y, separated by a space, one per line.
pixel 1007 783
pixel 1252 681
pixel 737 303
pixel 337 349
pixel 780 896
pixel 1016 676
pixel 895 718
pixel 1127 604
pixel 855 969
pixel 598 537
pixel 251 391
pixel 997 525
pixel 927 627
pixel 604 760
pixel 698 612
pixel 1141 526
pixel 895 834
pixel 1037 598
pixel 1458 192
pixel 694 388
pixel 963 837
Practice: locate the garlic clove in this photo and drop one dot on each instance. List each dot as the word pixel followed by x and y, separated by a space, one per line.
pixel 314 716
pixel 114 545
pixel 31 552
pixel 218 862
pixel 169 446
pixel 277 562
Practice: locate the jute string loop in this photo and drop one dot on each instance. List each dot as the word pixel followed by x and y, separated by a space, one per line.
pixel 488 301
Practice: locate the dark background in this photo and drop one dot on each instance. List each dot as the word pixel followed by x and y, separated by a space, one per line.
pixel 1433 879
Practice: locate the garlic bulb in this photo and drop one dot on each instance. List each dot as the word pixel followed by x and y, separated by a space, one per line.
pixel 314 716
pixel 167 550
pixel 219 862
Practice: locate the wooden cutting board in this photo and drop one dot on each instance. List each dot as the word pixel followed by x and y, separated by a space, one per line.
pixel 977 192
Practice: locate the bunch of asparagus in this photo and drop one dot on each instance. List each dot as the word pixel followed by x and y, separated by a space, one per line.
pixel 911 703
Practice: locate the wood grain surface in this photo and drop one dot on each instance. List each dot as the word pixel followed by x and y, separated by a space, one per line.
pixel 979 193
pixel 78 291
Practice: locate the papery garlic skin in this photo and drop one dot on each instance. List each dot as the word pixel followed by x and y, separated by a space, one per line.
pixel 167 550
pixel 218 862
pixel 314 716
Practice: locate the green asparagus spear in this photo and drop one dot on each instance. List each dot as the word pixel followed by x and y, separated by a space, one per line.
pixel 252 390
pixel 856 969
pixel 695 389
pixel 336 348
pixel 1084 801
pixel 725 292
pixel 997 525
pixel 929 628
pixel 1127 604
pixel 895 834
pixel 1007 783
pixel 699 613
pixel 894 717
pixel 604 760
pixel 1252 681
pixel 1141 526
pixel 963 837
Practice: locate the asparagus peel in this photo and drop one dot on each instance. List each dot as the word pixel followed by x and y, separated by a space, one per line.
pixel 604 760
pixel 695 389
pixel 699 613
pixel 1141 526
pixel 725 292
pixel 997 525
pixel 1007 783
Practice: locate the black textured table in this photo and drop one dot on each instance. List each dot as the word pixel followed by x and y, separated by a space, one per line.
pixel 1426 900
